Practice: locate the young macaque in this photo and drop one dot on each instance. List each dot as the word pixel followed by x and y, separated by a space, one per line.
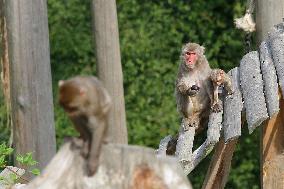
pixel 87 104
pixel 219 77
pixel 195 88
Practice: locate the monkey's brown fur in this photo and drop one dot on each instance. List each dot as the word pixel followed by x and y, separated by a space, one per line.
pixel 194 108
pixel 87 104
pixel 219 77
pixel 196 88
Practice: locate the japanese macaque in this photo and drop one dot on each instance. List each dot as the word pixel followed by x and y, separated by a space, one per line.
pixel 219 77
pixel 196 86
pixel 87 104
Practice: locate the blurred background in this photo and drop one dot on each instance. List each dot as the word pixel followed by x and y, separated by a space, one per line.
pixel 151 36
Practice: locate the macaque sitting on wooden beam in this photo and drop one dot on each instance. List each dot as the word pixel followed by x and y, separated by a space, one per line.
pixel 196 85
pixel 87 104
pixel 197 90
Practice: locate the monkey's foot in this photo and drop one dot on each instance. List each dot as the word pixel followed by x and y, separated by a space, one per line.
pixel 188 125
pixel 92 166
pixel 217 107
pixel 230 92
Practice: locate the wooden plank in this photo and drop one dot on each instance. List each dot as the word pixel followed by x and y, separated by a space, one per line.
pixel 213 135
pixel 184 145
pixel 219 168
pixel 135 168
pixel 7 176
pixel 269 78
pixel 105 32
pixel 252 90
pixel 272 151
pixel 269 13
pixel 233 105
pixel 30 77
pixel 276 40
pixel 162 150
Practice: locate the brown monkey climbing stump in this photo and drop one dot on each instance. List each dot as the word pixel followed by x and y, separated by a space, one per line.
pixel 120 167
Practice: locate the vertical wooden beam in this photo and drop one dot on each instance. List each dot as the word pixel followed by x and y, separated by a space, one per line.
pixel 272 151
pixel 269 13
pixel 4 56
pixel 105 32
pixel 30 78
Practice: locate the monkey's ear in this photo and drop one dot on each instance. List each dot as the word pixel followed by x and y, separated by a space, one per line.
pixel 202 50
pixel 60 83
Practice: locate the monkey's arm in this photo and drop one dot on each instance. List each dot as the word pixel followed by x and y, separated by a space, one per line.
pixel 185 90
pixel 216 105
pixel 98 136
pixel 182 87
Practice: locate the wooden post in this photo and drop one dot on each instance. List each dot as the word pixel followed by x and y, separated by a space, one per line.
pixel 4 57
pixel 105 32
pixel 30 78
pixel 269 13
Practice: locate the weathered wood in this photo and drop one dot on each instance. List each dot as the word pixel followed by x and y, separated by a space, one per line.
pixel 6 179
pixel 213 134
pixel 30 77
pixel 132 169
pixel 18 186
pixel 233 106
pixel 162 150
pixel 276 40
pixel 269 79
pixel 184 145
pixel 105 32
pixel 219 168
pixel 272 151
pixel 268 14
pixel 252 90
pixel 214 127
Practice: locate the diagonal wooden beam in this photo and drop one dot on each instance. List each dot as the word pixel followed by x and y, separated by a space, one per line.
pixel 220 165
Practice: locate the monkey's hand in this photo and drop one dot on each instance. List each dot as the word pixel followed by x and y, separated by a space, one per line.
pixel 217 107
pixel 92 166
pixel 193 90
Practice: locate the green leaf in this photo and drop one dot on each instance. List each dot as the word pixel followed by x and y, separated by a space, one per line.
pixel 35 172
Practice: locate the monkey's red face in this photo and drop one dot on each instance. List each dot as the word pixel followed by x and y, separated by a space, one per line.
pixel 190 59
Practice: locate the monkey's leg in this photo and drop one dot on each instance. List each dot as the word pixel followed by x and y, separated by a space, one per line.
pixel 85 136
pixel 216 105
pixel 228 84
pixel 98 136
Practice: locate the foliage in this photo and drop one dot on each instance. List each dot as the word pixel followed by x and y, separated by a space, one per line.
pixel 24 160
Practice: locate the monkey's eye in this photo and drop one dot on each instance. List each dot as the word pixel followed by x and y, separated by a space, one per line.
pixel 190 53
